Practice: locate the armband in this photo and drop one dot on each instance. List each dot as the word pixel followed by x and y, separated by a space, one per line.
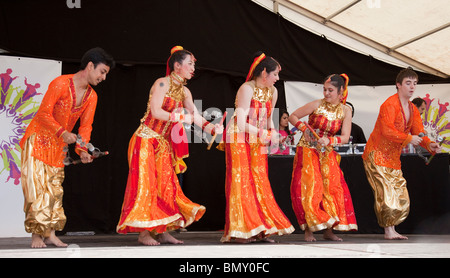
pixel 300 126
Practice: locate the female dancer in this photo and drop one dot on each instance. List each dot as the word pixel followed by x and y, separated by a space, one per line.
pixel 320 196
pixel 251 210
pixel 154 203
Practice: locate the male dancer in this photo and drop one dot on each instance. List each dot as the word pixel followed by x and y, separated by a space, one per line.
pixel 397 125
pixel 68 98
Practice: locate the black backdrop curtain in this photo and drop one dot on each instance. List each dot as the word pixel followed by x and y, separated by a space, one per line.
pixel 222 34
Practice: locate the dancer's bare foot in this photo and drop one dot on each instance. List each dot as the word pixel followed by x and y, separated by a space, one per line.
pixel 53 239
pixel 266 239
pixel 146 239
pixel 168 238
pixel 241 240
pixel 263 238
pixel 329 235
pixel 390 233
pixel 37 241
pixel 309 236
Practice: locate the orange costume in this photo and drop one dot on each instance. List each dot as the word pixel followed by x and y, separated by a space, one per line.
pixel 320 196
pixel 42 152
pixel 382 159
pixel 153 198
pixel 251 208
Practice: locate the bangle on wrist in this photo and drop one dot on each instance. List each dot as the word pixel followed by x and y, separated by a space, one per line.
pixel 265 134
pixel 335 140
pixel 213 128
pixel 331 141
pixel 300 126
pixel 176 117
pixel 205 124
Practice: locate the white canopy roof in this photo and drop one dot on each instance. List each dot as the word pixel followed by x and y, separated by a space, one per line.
pixel 402 32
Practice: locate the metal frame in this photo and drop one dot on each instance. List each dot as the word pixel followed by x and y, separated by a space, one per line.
pixel 391 51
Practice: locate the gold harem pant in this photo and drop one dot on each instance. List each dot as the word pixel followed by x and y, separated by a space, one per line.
pixel 390 192
pixel 43 193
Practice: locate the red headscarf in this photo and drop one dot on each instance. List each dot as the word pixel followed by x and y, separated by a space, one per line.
pixel 345 92
pixel 253 66
pixel 180 146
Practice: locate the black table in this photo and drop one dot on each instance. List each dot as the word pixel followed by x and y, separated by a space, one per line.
pixel 428 187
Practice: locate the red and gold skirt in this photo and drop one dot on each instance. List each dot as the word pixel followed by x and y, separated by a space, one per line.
pixel 251 208
pixel 153 198
pixel 319 193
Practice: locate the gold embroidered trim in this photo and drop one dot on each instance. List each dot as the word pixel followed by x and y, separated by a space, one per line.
pixel 146 132
pixel 262 95
pixel 256 231
pixel 330 111
pixel 176 91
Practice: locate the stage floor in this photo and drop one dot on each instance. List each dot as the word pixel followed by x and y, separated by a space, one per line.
pixel 208 245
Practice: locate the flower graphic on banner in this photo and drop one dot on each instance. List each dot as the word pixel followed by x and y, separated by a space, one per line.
pixel 436 121
pixel 17 108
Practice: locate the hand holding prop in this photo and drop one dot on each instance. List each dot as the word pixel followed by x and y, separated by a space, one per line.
pixel 281 145
pixel 94 155
pixel 419 150
pixel 95 152
pixel 312 130
pixel 314 134
pixel 214 136
pixel 440 140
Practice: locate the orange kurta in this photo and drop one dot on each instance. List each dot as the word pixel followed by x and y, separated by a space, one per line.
pixel 153 198
pixel 58 112
pixel 42 172
pixel 251 208
pixel 382 160
pixel 392 133
pixel 319 193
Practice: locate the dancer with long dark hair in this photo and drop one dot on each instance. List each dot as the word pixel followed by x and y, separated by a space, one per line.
pixel 320 196
pixel 251 210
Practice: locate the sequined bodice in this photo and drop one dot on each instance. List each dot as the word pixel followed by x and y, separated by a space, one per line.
pixel 260 106
pixel 326 120
pixel 173 99
pixel 259 112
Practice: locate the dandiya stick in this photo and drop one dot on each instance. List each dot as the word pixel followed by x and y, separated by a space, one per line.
pixel 214 136
pixel 312 130
pixel 75 162
pixel 314 133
